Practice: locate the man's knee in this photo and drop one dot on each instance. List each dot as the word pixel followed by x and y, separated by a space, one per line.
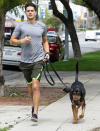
pixel 35 85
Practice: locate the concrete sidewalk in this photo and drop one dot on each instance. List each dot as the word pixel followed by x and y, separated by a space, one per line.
pixel 58 115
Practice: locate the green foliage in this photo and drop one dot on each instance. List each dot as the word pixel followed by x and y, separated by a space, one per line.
pixel 7 5
pixel 47 13
pixel 1 3
pixel 51 21
pixel 80 2
pixel 6 128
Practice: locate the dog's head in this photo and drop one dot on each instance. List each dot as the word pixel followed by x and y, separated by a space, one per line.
pixel 77 92
pixel 76 95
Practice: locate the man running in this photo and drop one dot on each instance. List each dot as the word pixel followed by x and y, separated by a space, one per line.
pixel 31 35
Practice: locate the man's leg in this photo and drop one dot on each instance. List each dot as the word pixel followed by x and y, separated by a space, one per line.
pixel 36 76
pixel 30 91
pixel 36 95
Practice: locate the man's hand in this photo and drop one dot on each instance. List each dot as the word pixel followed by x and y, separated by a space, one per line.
pixel 27 40
pixel 47 56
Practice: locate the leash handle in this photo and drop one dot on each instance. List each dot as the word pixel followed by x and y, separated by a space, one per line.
pixel 77 71
pixel 45 69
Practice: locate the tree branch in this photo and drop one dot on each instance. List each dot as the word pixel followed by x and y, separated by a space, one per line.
pixel 57 13
pixel 94 5
pixel 67 7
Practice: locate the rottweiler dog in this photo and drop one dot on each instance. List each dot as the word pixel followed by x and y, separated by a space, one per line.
pixel 77 94
pixel 77 97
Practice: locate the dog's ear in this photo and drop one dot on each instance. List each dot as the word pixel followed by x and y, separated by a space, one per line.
pixel 72 89
pixel 83 92
pixel 71 94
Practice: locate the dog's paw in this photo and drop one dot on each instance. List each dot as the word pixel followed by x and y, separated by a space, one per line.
pixel 74 121
pixel 81 116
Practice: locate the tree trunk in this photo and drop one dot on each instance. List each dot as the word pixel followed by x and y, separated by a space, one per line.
pixel 2 25
pixel 68 21
pixel 74 40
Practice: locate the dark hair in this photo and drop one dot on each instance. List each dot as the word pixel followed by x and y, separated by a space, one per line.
pixel 30 4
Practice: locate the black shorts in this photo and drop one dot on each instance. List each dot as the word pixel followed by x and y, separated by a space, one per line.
pixel 32 70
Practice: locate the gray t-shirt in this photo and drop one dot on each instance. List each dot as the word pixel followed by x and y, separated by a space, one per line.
pixel 33 51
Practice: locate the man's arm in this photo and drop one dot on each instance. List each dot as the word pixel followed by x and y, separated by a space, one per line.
pixel 45 44
pixel 15 41
pixel 46 47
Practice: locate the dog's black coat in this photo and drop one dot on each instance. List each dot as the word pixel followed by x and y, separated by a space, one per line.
pixel 77 86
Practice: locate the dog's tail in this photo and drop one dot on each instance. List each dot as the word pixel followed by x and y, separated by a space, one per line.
pixel 77 71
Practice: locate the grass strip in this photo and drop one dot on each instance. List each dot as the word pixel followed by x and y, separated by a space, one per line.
pixel 89 62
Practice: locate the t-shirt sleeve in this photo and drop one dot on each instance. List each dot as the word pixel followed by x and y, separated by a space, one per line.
pixel 17 31
pixel 44 31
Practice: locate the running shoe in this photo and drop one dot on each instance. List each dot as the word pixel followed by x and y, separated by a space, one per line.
pixel 34 118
